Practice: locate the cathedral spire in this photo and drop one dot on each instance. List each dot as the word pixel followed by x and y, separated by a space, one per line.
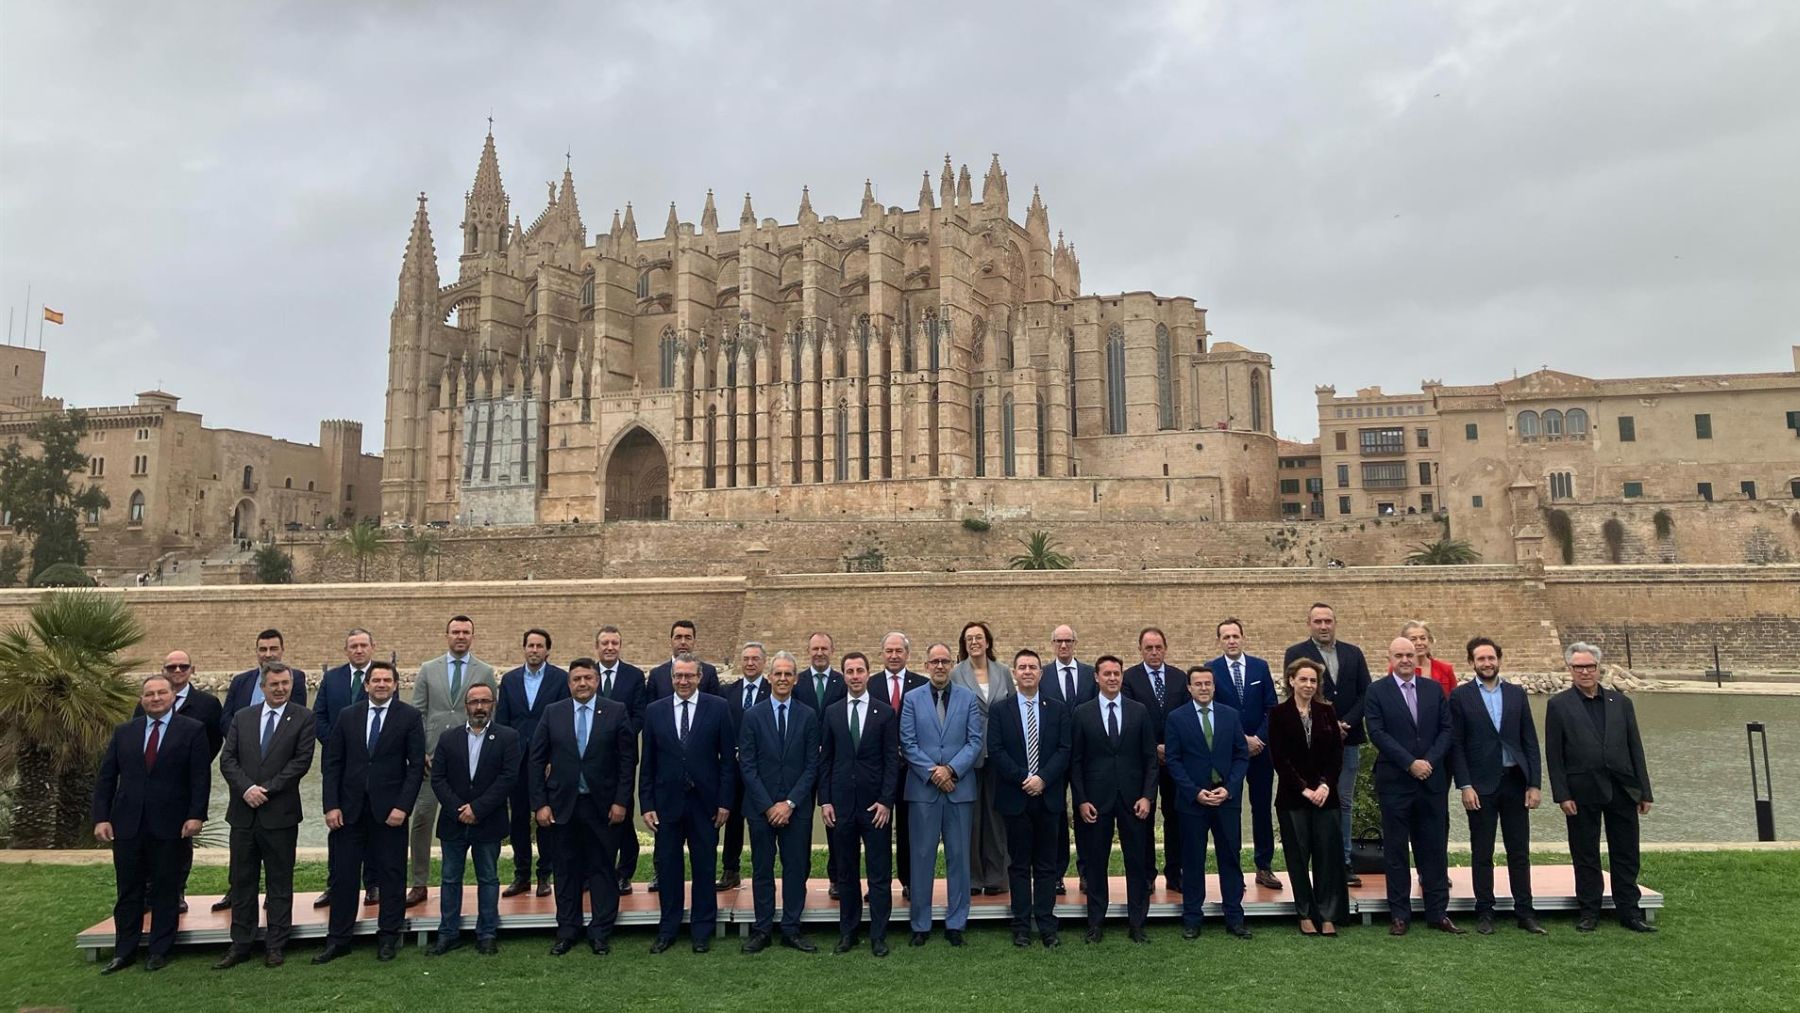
pixel 947 186
pixel 420 265
pixel 805 215
pixel 965 190
pixel 566 204
pixel 709 216
pixel 1037 217
pixel 485 205
pixel 673 225
pixel 925 193
pixel 748 218
pixel 993 190
pixel 868 200
pixel 630 221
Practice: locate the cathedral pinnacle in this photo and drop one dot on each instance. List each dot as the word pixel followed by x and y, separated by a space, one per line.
pixel 748 218
pixel 674 223
pixel 630 221
pixel 709 216
pixel 806 209
pixel 868 200
pixel 421 253
pixel 925 192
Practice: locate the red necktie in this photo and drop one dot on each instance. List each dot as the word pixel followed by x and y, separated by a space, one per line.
pixel 894 681
pixel 150 747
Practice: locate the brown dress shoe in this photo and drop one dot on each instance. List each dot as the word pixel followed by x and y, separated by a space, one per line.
pixel 1444 924
pixel 415 896
pixel 1267 880
pixel 516 887
pixel 1399 927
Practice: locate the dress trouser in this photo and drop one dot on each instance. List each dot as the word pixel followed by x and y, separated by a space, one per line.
pixel 987 835
pixel 1310 845
pixel 1031 872
pixel 858 838
pixel 731 844
pixel 261 853
pixel 1095 843
pixel 1259 786
pixel 1505 809
pixel 692 836
pixel 946 821
pixel 422 833
pixel 793 845
pixel 1226 826
pixel 145 866
pixel 375 853
pixel 524 822
pixel 1171 828
pixel 1619 817
pixel 586 865
pixel 1419 817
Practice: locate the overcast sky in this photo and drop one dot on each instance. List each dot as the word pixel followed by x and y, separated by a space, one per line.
pixel 218 195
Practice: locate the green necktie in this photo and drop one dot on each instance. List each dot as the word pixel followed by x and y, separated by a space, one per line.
pixel 456 678
pixel 855 724
pixel 1206 725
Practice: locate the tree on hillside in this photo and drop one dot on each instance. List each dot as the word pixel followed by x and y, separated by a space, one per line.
pixel 421 547
pixel 272 566
pixel 41 494
pixel 1039 554
pixel 363 544
pixel 1443 552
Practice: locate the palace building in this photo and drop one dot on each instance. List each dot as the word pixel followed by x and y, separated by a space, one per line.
pixel 938 361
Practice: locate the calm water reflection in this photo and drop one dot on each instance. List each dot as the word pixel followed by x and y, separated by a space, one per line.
pixel 1694 745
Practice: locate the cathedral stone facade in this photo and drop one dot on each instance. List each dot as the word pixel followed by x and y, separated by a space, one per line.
pixel 933 362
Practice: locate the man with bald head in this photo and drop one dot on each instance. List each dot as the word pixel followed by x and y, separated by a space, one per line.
pixel 190 702
pixel 1070 681
pixel 1409 726
pixel 892 684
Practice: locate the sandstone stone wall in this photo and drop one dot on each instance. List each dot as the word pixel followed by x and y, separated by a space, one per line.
pixel 1675 614
pixel 1725 533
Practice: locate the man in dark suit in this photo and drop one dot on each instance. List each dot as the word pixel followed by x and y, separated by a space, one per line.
pixel 1157 685
pixel 245 689
pixel 859 778
pixel 778 757
pixel 1409 725
pixel 1494 759
pixel 1113 771
pixel 687 778
pixel 818 686
pixel 892 685
pixel 1244 683
pixel 682 637
pixel 1029 748
pixel 339 688
pixel 1598 777
pixel 149 801
pixel 1070 681
pixel 472 773
pixel 1346 685
pixel 374 767
pixel 622 681
pixel 190 702
pixel 1207 761
pixel 525 693
pixel 268 749
pixel 582 758
pixel 741 695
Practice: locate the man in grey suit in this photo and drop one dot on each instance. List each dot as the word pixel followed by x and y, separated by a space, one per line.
pixel 940 737
pixel 438 694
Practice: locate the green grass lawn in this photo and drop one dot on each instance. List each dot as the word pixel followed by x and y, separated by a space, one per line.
pixel 1722 947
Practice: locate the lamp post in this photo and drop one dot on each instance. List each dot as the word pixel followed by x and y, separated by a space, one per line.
pixel 1764 795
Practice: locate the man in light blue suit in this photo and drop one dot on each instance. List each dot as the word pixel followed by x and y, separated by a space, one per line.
pixel 1204 744
pixel 940 737
pixel 1243 683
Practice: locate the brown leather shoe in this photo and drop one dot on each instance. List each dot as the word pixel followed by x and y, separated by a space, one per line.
pixel 516 887
pixel 415 896
pixel 1267 880
pixel 1399 927
pixel 1444 924
pixel 274 958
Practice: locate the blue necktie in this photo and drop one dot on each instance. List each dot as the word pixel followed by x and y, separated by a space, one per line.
pixel 1156 684
pixel 268 731
pixel 375 730
pixel 581 740
pixel 781 725
pixel 749 695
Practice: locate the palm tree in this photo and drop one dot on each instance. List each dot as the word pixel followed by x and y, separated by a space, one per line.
pixel 63 688
pixel 421 547
pixel 272 565
pixel 1443 552
pixel 363 543
pixel 1039 554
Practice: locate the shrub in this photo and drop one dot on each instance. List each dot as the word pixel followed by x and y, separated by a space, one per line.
pixel 62 575
pixel 975 524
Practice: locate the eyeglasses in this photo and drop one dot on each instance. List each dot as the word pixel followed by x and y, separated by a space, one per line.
pixel 1062 640
pixel 937 661
pixel 1584 668
pixel 177 668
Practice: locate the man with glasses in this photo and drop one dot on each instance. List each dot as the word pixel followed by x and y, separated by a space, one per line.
pixel 1069 681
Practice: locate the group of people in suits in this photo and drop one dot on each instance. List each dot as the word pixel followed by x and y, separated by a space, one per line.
pixel 1000 765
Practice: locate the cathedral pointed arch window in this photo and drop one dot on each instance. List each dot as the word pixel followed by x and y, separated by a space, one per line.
pixel 1008 437
pixel 931 341
pixel 1069 340
pixel 643 286
pixel 979 427
pixel 1115 380
pixel 1256 401
pixel 907 358
pixel 793 340
pixel 665 373
pixel 862 343
pixel 841 447
pixel 1165 380
pixel 710 450
pixel 1043 435
pixel 135 509
pixel 978 342
pixel 587 289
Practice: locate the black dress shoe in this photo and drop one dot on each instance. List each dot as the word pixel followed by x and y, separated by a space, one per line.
pixel 919 939
pixel 156 962
pixel 729 881
pixel 181 908
pixel 231 959
pixel 1531 925
pixel 1052 941
pixel 1138 936
pixel 274 958
pixel 624 886
pixel 906 893
pixel 974 891
pixel 516 887
pixel 117 964
pixel 1587 923
pixel 1061 890
pixel 844 945
pixel 1021 938
pixel 1638 925
pixel 652 886
pixel 384 950
pixel 878 947
pixel 544 888
pixel 758 942
pixel 443 946
pixel 659 944
pixel 994 891
pixel 1485 925
pixel 1447 926
pixel 834 891
pixel 222 904
pixel 702 945
pixel 330 953
pixel 1173 883
pixel 1093 936
pixel 953 936
pixel 561 946
pixel 799 942
pixel 1351 878
pixel 1240 930
pixel 487 947
pixel 322 900
pixel 1190 932
pixel 371 896
pixel 601 947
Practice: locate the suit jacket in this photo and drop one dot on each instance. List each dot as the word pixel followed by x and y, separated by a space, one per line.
pixel 776 769
pixel 431 693
pixel 557 766
pixel 701 772
pixel 879 686
pixel 1348 691
pixel 244 762
pixel 662 683
pixel 1107 776
pixel 630 688
pixel 734 699
pixel 487 792
pixel 204 708
pixel 1259 694
pixel 1175 695
pixel 154 802
pixel 1299 766
pixel 1193 765
pixel 334 695
pixel 1000 686
pixel 852 778
pixel 1399 740
pixel 389 779
pixel 1585 767
pixel 1008 755
pixel 516 713
pixel 926 742
pixel 807 694
pixel 1085 687
pixel 1475 754
pixel 238 693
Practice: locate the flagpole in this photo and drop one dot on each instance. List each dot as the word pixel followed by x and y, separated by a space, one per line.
pixel 40 328
pixel 25 328
pixel 9 322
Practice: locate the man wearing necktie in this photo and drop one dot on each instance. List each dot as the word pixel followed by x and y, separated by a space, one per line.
pixel 892 684
pixel 742 695
pixel 580 764
pixel 818 686
pixel 624 682
pixel 149 801
pixel 1207 760
pixel 374 766
pixel 1030 755
pixel 1409 726
pixel 1245 684
pixel 438 693
pixel 1070 680
pixel 941 732
pixel 190 702
pixel 1159 687
pixel 687 780
pixel 859 774
pixel 778 754
pixel 1112 766
pixel 525 693
pixel 339 688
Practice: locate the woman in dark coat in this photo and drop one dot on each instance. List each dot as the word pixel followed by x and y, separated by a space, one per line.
pixel 1308 751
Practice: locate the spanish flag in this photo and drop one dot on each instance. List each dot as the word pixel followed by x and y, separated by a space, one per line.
pixel 54 316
